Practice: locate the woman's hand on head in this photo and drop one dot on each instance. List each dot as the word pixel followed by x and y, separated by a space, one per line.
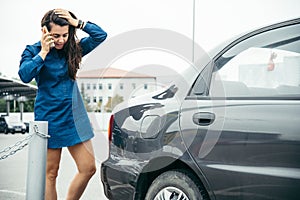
pixel 66 15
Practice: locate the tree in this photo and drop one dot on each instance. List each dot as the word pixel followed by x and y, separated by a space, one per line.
pixel 112 102
pixel 29 105
pixel 2 105
pixel 98 107
pixel 85 101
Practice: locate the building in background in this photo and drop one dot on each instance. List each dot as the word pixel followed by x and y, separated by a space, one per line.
pixel 103 88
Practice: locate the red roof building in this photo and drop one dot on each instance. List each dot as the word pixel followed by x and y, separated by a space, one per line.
pixel 99 87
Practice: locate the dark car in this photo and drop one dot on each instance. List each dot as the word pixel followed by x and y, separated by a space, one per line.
pixel 27 126
pixel 11 125
pixel 228 128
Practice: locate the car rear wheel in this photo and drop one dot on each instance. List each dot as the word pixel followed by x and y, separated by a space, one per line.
pixel 175 185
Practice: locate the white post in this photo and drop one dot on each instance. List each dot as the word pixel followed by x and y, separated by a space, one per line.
pixel 37 154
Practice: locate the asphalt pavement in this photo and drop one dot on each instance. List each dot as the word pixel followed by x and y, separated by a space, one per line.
pixel 13 170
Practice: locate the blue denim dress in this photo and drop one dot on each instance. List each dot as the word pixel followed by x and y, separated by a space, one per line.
pixel 58 99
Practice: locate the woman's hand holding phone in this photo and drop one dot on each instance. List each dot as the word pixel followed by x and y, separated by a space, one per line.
pixel 47 42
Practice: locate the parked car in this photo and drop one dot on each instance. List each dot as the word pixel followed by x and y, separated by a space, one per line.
pixel 27 126
pixel 11 125
pixel 229 128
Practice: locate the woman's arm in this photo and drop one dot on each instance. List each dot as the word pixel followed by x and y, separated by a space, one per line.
pixel 96 34
pixel 96 37
pixel 32 59
pixel 30 64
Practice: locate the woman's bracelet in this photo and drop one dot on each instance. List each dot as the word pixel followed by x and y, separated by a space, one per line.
pixel 80 24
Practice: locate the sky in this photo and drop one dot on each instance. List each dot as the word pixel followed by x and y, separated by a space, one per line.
pixel 216 20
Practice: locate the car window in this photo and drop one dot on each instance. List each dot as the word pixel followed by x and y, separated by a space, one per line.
pixel 261 72
pixel 268 69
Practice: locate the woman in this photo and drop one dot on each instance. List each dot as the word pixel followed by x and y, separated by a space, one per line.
pixel 53 62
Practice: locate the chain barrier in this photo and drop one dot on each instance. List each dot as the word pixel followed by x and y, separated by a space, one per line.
pixel 18 146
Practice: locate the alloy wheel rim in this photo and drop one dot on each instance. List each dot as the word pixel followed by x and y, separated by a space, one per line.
pixel 171 193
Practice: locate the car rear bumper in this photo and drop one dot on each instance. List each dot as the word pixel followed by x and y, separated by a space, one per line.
pixel 16 130
pixel 106 188
pixel 118 183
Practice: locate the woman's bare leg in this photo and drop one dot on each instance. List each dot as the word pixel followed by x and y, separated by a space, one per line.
pixel 83 155
pixel 53 160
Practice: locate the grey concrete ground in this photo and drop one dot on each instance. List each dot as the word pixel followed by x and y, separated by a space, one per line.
pixel 13 170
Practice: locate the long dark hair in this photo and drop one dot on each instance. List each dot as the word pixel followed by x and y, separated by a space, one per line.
pixel 72 49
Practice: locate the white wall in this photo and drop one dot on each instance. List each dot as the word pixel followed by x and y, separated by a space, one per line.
pixel 99 120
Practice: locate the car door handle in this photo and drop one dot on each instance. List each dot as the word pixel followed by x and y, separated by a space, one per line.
pixel 204 118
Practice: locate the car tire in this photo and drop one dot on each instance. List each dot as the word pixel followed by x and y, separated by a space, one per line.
pixel 171 184
pixel 5 131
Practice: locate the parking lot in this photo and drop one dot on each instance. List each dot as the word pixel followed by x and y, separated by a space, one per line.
pixel 13 170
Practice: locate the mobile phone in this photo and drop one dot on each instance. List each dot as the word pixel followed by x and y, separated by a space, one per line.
pixel 52 45
pixel 47 31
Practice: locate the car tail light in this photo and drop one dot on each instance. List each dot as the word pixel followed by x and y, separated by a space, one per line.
pixel 110 128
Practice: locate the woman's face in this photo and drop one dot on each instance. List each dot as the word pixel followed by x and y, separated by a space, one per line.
pixel 60 35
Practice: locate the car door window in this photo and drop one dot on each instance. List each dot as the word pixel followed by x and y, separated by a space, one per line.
pixel 260 71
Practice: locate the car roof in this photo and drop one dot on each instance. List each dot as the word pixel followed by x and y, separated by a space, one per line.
pixel 221 48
